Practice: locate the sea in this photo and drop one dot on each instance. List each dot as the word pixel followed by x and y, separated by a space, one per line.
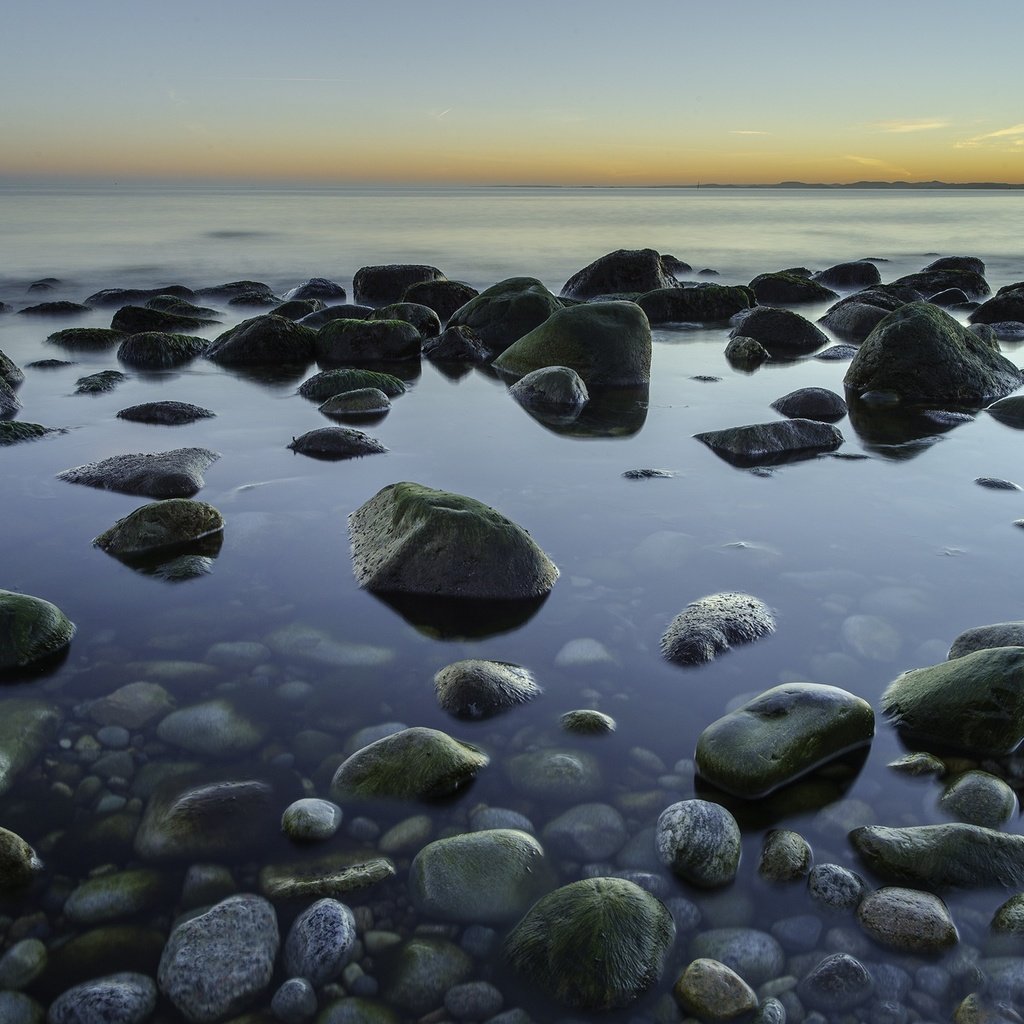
pixel 872 562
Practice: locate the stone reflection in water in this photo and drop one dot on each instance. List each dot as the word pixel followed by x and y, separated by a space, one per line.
pixel 610 413
pixel 900 432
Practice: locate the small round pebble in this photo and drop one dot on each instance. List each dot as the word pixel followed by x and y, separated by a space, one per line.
pixel 835 886
pixel 587 722
pixel 311 820
pixel 473 1000
pixel 294 1001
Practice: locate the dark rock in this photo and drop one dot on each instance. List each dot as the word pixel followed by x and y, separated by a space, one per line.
pixel 857 274
pixel 10 374
pixel 623 271
pixel 835 887
pixel 168 413
pixel 835 353
pixel 297 309
pixel 950 297
pixel 125 998
pixel 55 309
pixel 131 296
pixel 263 340
pixel 443 297
pixel 746 353
pixel 345 311
pixel 1003 306
pixel 708 304
pixel 811 404
pixel 180 307
pixel 761 443
pixel 699 841
pixel 256 299
pixel 160 525
pixel 357 404
pixel 422 317
pixel 839 982
pixel 141 320
pixel 929 282
pixel 857 315
pixel 317 288
pixel 9 401
pixel 336 443
pixel 476 688
pixel 506 311
pixel 551 387
pixel 456 345
pixel 15 431
pixel 1000 634
pixel 377 286
pixel 90 339
pixel 968 263
pixel 329 383
pixel 31 630
pixel 156 351
pixel 786 288
pixel 711 625
pixel 781 331
pixel 171 474
pixel 994 483
pixel 99 383
pixel 361 341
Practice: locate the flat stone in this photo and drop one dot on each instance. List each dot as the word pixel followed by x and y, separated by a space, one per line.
pixel 777 441
pixel 31 630
pixel 126 998
pixel 754 955
pixel 907 920
pixel 172 474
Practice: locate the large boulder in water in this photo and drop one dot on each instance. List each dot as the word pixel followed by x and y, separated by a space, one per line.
pixel 173 474
pixel 711 303
pixel 422 317
pixel 856 274
pixel 922 355
pixel 477 688
pixel 595 944
pixel 10 373
pixel 781 331
pixel 411 539
pixel 1006 305
pixel 266 340
pixel 161 525
pixel 154 350
pixel 625 271
pixel 973 703
pixel 781 735
pixel 607 343
pixel 784 289
pixel 773 442
pixel 443 297
pixel 856 316
pixel 712 624
pixel 506 311
pixel 31 630
pixel 930 282
pixel 364 341
pixel 377 286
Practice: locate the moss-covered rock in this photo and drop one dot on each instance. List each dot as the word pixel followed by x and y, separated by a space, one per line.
pixel 443 297
pixel 61 308
pixel 154 350
pixel 379 285
pixel 1006 304
pixel 99 383
pixel 855 274
pixel 18 861
pixel 180 307
pixel 922 355
pixel 356 404
pixel 477 688
pixel 781 331
pixel 118 895
pixel 456 345
pixel 713 303
pixel 15 431
pixel 87 339
pixel 712 624
pixel 140 320
pixel 785 856
pixel 746 353
pixel 596 944
pixel 31 630
pixel 607 343
pixel 973 703
pixel 415 540
pixel 784 289
pixel 412 764
pixel 329 383
pixel 161 525
pixel 930 281
pixel 774 442
pixel 781 735
pixel 422 317
pixel 266 340
pixel 625 271
pixel 367 341
pixel 856 316
pixel 165 413
pixel 811 404
pixel 979 798
pixel 172 474
pixel 506 311
pixel 336 443
pixel 557 388
pixel 108 297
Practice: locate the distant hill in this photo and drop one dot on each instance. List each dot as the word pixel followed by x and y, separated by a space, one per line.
pixel 907 185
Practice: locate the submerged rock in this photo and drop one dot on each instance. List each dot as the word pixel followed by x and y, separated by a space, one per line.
pixel 31 630
pixel 336 443
pixel 506 311
pixel 811 404
pixel 124 998
pixel 16 431
pixel 171 474
pixel 18 861
pixel 555 775
pixel 758 443
pixel 596 944
pixel 587 722
pixel 999 634
pixel 27 727
pixel 551 387
pixel 263 341
pixel 785 856
pixel 161 525
pixel 781 331
pixel 358 403
pixel 155 350
pixel 420 975
pixel 320 942
pixel 475 688
pixel 700 842
pixel 166 413
pixel 907 920
pixel 839 982
pixel 99 383
pixel 625 271
pixel 416 763
pixel 746 353
pixel 781 735
pixel 412 539
pixel 712 624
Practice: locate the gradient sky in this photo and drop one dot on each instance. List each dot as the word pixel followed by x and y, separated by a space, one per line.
pixel 480 92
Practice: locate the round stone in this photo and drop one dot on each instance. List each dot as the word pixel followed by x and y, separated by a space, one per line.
pixel 839 982
pixel 785 856
pixel 754 955
pixel 700 842
pixel 126 998
pixel 907 920
pixel 320 942
pixel 710 990
pixel 311 820
pixel 979 798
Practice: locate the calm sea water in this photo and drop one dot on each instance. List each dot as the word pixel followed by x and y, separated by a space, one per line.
pixel 873 565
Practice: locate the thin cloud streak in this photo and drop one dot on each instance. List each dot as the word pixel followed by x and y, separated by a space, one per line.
pixel 906 127
pixel 882 165
pixel 742 131
pixel 1002 133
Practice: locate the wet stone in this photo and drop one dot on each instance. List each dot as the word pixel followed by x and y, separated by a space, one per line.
pixel 473 1000
pixel 754 955
pixel 978 798
pixel 907 920
pixel 700 842
pixel 359 402
pixel 126 998
pixel 785 856
pixel 711 625
pixel 336 443
pixel 587 832
pixel 320 942
pixel 835 887
pixel 710 990
pixel 586 722
pixel 475 688
pixel 839 982
pixel 171 474
pixel 21 964
pixel 295 1001
pixel 311 820
pixel 166 413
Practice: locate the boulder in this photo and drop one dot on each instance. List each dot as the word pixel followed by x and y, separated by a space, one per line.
pixel 413 764
pixel 120 894
pixel 971 263
pixel 56 309
pixel 317 288
pixel 109 297
pixel 142 320
pixel 929 282
pixel 423 318
pixel 712 624
pixel 336 443
pixel 443 297
pixel 165 413
pixel 907 920
pixel 476 688
pixel 31 630
pixel 297 309
pixel 124 998
pixel 973 703
pixel 367 341
pixel 595 944
pixel 811 404
pixel 607 343
pixel 87 339
pixel 506 311
pixel 99 383
pixel 154 350
pixel 345 311
pixel 377 286
pixel 356 404
pixel 856 274
pixel 16 431
pixel 922 355
pixel 768 443
pixel 785 288
pixel 625 271
pixel 999 634
pixel 856 316
pixel 781 331
pixel 415 540
pixel 781 735
pixel 19 864
pixel 320 942
pixel 173 474
pixel 700 842
pixel 557 388
pixel 746 353
pixel 161 525
pixel 263 341
pixel 456 345
pixel 979 798
pixel 329 383
pixel 1004 305
pixel 713 303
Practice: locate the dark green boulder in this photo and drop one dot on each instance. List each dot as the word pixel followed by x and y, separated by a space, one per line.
pixel 266 340
pixel 713 303
pixel 31 630
pixel 506 311
pixel 159 526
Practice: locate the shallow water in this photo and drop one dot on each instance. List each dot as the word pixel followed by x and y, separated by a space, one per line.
pixel 903 536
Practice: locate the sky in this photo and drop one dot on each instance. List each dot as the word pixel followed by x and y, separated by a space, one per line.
pixel 587 92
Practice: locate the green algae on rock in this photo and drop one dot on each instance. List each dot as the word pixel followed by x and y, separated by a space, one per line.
pixel 31 630
pixel 412 539
pixel 263 340
pixel 18 861
pixel 712 303
pixel 328 383
pixel 595 944
pixel 155 350
pixel 477 688
pixel 781 735
pixel 503 313
pixel 161 525
pixel 15 431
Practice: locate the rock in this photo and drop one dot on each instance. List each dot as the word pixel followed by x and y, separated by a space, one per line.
pixel 423 971
pixel 476 688
pixel 951 298
pixel 126 998
pixel 172 474
pixel 362 341
pixel 711 991
pixel 159 526
pixel 811 404
pixel 412 539
pixel 1005 305
pixel 839 982
pixel 486 877
pixel 336 443
pixel 712 303
pixel 473 1000
pixel 587 722
pixel 836 353
pixel 294 1001
pixel 99 383
pixel 907 920
pixel 444 297
pixel 712 624
pixel 746 353
pixel 586 832
pixel 563 776
pixel 21 964
pixel 317 288
pixel 266 340
pixel 938 856
pixel 18 861
pixel 931 281
pixel 357 1010
pixel 623 271
pixel 422 317
pixel 607 343
pixel 456 345
pixel 856 316
pixel 216 728
pixel 328 383
pixel 415 763
pixel 777 441
pixel 551 387
pixel 317 647
pixel 857 274
pixel 357 404
pixel 16 431
pixel 156 351
pixel 297 309
pixel 121 894
pixel 1009 916
pixel 506 311
pixel 781 735
pixel 785 289
pixel 785 856
pixel 377 286
pixel 133 706
pixel 595 944
pixel 408 836
pixel 167 413
pixel 344 311
pixel 999 634
pixel 142 320
pixel 700 842
pixel 320 942
pixel 969 263
pixel 55 309
pixel 835 887
pixel 310 820
pixel 10 373
pixel 216 964
pixel 781 331
pixel 9 402
pixel 87 339
pixel 978 798
pixel 974 703
pixel 257 298
pixel 754 955
pixel 922 355
pixel 31 630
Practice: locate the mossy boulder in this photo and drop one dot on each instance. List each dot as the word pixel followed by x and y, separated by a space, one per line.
pixel 87 339
pixel 413 539
pixel 854 317
pixel 154 350
pixel 595 944
pixel 413 764
pixel 27 727
pixel 107 297
pixel 456 345
pixel 165 413
pixel 710 625
pixel 355 404
pixel 746 353
pixel 61 308
pixel 781 735
pixel 1006 304
pixel 329 383
pixel 367 341
pixel 31 630
pixel 379 285
pixel 998 634
pixel 16 431
pixel 855 274
pixel 713 303
pixel 18 861
pixel 486 877
pixel 161 525
pixel 921 354
pixel 506 311
pixel 811 404
pixel 774 442
pixel 930 281
pixel 172 474
pixel 476 688
pixel 784 289
pixel 10 373
pixel 607 343
pixel 422 317
pixel 973 703
pixel 781 331
pixel 182 307
pixel 140 320
pixel 266 340
pixel 551 388
pixel 625 271
pixel 443 297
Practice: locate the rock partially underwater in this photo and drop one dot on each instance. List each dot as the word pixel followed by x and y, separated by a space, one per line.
pixel 31 631
pixel 476 688
pixel 713 624
pixel 163 528
pixel 771 443
pixel 171 474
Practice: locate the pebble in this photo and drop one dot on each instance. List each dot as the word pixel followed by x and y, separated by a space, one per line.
pixel 700 842
pixel 473 1000
pixel 21 964
pixel 311 820
pixel 835 887
pixel 320 942
pixel 18 1008
pixel 710 989
pixel 125 998
pixel 294 1002
pixel 754 955
pixel 839 982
